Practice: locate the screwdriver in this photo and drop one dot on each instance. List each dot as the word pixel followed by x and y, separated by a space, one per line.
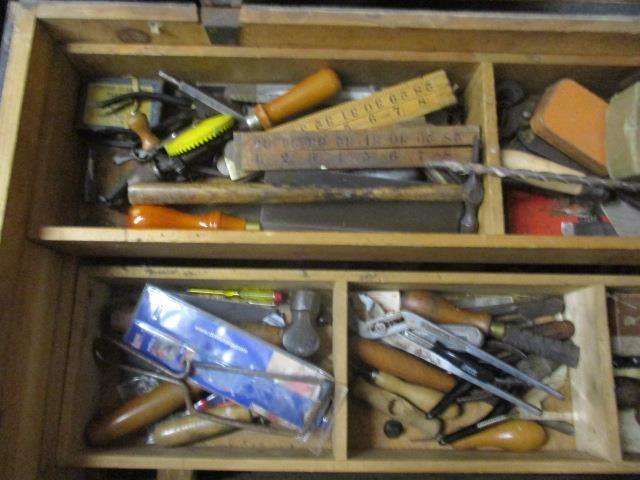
pixel 312 91
pixel 511 435
pixel 255 295
pixel 153 216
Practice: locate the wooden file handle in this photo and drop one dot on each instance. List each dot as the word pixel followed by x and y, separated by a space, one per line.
pixel 512 435
pixel 396 407
pixel 422 397
pixel 433 307
pixel 192 428
pixel 136 414
pixel 400 364
pixel 140 125
pixel 310 92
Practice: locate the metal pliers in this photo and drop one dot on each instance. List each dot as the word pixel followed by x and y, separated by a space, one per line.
pixel 437 345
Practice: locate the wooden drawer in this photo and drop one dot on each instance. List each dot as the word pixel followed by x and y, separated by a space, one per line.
pixel 357 443
pixel 57 47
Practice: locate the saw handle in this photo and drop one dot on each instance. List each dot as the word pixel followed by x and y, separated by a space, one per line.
pixel 434 307
pixel 139 123
pixel 311 91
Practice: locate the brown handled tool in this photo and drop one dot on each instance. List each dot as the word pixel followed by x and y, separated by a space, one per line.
pixel 312 91
pixel 140 125
pixel 512 435
pixel 422 397
pixel 396 407
pixel 400 364
pixel 229 192
pixel 137 413
pixel 192 428
pixel 437 309
pixel 472 412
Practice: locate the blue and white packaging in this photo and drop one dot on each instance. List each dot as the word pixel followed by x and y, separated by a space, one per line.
pixel 171 332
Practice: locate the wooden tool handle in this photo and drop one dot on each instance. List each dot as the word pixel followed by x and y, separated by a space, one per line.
pixel 140 125
pixel 268 333
pixel 400 364
pixel 512 435
pixel 472 412
pixel 136 414
pixel 229 192
pixel 396 407
pixel 153 216
pixel 422 397
pixel 434 307
pixel 192 428
pixel 559 330
pixel 310 92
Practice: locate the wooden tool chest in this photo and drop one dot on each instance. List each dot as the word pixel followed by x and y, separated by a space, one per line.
pixel 49 292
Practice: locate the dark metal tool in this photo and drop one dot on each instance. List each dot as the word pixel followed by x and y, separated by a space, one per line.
pixel 236 312
pixel 519 174
pixel 300 337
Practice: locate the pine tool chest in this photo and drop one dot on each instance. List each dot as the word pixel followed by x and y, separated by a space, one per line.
pixel 142 144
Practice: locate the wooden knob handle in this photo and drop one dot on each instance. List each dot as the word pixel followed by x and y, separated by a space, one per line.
pixel 136 414
pixel 400 364
pixel 192 428
pixel 422 397
pixel 396 407
pixel 139 123
pixel 434 307
pixel 310 92
pixel 512 435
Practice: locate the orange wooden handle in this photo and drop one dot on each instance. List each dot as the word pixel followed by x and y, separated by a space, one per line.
pixel 400 364
pixel 153 216
pixel 140 125
pixel 310 92
pixel 136 414
pixel 512 435
pixel 434 307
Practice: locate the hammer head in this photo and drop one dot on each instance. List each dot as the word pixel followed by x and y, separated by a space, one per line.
pixel 300 337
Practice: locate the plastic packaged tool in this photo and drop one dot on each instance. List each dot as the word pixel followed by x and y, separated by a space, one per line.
pixel 295 396
pixel 622 134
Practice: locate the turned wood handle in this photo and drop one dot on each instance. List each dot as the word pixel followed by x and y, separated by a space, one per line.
pixel 310 92
pixel 137 413
pixel 422 397
pixel 140 125
pixel 512 435
pixel 192 428
pixel 396 407
pixel 400 364
pixel 472 412
pixel 434 307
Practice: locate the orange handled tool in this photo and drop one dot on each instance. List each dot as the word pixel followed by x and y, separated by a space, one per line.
pixel 137 413
pixel 312 91
pixel 512 435
pixel 400 364
pixel 152 216
pixel 435 308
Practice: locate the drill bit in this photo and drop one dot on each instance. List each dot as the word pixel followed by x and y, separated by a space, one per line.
pixel 519 174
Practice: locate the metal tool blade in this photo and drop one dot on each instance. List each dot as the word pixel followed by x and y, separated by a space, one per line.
pixel 265 92
pixel 624 217
pixel 439 334
pixel 202 97
pixel 236 312
pixel 420 348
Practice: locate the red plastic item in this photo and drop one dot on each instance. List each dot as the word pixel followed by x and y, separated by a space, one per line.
pixel 535 214
pixel 153 216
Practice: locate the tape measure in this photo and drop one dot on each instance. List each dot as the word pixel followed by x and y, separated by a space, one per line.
pixel 395 147
pixel 398 103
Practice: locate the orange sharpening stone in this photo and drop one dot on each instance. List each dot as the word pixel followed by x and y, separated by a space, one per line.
pixel 573 119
